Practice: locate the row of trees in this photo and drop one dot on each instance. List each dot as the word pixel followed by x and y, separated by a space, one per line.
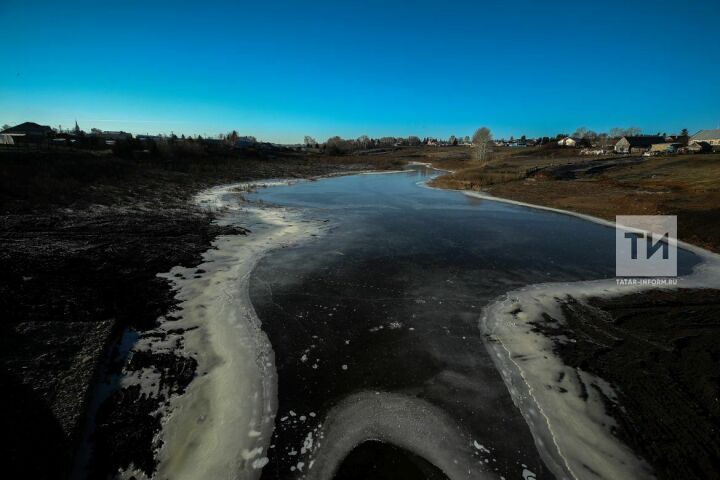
pixel 481 141
pixel 591 137
pixel 614 133
pixel 338 144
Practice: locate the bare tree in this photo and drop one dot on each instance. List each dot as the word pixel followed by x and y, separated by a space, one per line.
pixel 583 133
pixel 603 140
pixel 363 141
pixel 336 145
pixel 309 141
pixel 413 140
pixel 481 140
pixel 580 132
pixel 625 132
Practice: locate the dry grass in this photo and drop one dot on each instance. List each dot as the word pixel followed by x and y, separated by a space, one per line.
pixel 505 165
pixel 687 186
pixel 477 177
pixel 684 185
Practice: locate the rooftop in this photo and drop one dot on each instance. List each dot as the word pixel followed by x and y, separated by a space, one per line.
pixel 706 135
pixel 644 140
pixel 29 127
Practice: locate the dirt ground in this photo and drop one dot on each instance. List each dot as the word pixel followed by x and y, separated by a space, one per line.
pixel 82 237
pixel 660 350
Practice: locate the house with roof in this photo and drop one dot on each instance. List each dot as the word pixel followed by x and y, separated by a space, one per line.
pixel 680 139
pixel 711 137
pixel 28 132
pixel 667 147
pixel 148 138
pixel 698 147
pixel 111 135
pixel 637 144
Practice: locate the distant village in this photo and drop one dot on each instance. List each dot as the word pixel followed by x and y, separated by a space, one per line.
pixel 30 133
pixel 617 141
pixel 626 142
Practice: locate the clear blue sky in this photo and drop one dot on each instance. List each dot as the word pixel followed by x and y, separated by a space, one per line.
pixel 281 70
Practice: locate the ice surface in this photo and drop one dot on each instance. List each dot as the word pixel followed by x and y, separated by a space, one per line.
pixel 572 434
pixel 405 421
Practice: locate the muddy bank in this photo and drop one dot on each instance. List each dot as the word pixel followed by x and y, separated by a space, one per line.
pixel 82 241
pixel 660 350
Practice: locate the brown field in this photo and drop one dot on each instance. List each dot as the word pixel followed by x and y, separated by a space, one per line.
pixel 684 185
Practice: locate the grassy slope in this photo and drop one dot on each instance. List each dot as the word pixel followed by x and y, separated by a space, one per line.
pixel 686 185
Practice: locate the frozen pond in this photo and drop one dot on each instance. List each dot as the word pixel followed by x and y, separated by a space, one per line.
pixel 381 367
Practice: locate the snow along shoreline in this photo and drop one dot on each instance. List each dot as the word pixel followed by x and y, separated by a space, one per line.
pixel 221 426
pixel 572 434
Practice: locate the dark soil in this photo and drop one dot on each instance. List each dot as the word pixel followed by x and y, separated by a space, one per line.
pixel 82 238
pixel 381 461
pixel 125 429
pixel 661 352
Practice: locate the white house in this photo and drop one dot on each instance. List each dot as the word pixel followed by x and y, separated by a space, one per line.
pixel 7 138
pixel 712 137
pixel 569 142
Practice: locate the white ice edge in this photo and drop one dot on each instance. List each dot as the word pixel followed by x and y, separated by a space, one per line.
pixel 403 420
pixel 221 426
pixel 572 435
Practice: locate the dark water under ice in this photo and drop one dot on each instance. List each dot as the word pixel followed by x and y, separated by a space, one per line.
pixel 388 303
